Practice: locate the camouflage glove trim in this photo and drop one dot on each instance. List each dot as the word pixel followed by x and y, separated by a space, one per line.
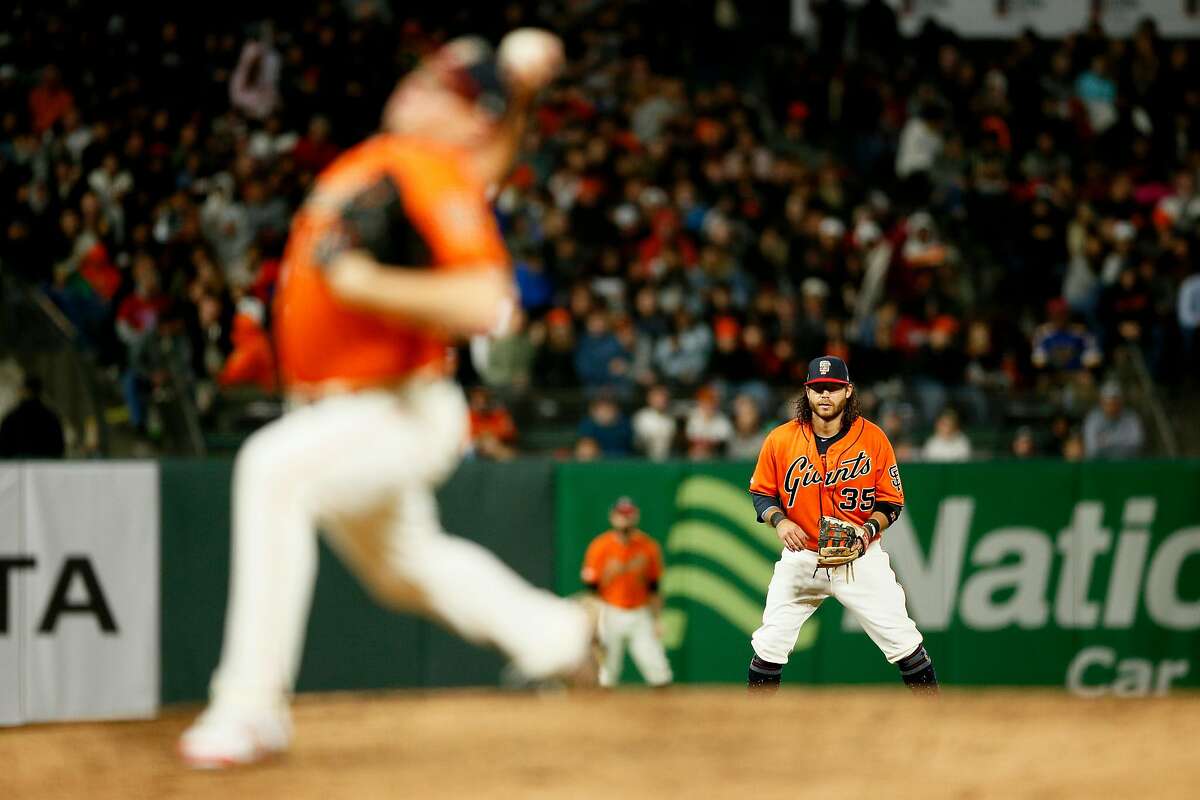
pixel 838 542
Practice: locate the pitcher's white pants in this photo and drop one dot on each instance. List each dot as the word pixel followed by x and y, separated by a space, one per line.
pixel 874 595
pixel 364 467
pixel 634 626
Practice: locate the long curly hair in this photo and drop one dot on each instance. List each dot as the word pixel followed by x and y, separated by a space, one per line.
pixel 850 413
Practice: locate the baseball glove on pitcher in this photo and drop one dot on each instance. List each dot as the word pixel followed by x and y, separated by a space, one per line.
pixel 838 542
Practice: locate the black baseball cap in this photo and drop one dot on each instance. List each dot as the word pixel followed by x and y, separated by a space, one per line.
pixel 827 369
pixel 470 70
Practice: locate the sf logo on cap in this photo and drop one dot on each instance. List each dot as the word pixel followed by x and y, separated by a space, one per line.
pixel 824 367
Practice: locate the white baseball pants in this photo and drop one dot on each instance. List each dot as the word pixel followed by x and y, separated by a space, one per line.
pixel 364 466
pixel 633 627
pixel 874 595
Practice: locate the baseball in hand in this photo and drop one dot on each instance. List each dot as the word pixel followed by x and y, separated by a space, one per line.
pixel 530 57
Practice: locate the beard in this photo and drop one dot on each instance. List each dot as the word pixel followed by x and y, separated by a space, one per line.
pixel 834 411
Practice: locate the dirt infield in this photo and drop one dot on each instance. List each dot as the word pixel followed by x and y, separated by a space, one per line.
pixel 696 743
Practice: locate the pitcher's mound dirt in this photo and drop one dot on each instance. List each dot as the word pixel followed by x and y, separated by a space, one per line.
pixel 694 743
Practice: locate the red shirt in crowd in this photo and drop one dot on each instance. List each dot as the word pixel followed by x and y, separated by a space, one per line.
pixel 142 313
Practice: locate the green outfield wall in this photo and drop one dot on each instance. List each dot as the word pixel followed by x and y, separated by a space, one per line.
pixel 352 643
pixel 1084 576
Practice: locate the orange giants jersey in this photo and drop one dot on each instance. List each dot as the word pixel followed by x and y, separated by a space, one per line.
pixel 857 471
pixel 411 203
pixel 623 570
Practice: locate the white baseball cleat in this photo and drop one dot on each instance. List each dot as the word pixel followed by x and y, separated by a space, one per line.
pixel 582 674
pixel 221 739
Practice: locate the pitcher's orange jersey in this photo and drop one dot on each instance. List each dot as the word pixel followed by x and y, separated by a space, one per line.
pixel 412 204
pixel 857 471
pixel 623 570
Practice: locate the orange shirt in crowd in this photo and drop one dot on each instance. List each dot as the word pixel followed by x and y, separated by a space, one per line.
pixel 252 360
pixel 494 422
pixel 47 105
pixel 623 568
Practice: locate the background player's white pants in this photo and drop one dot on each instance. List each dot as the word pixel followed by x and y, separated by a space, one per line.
pixel 873 595
pixel 635 627
pixel 364 467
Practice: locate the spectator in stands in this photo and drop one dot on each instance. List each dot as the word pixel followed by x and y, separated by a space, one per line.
pixel 271 141
pixel 314 150
pixel 1188 312
pixel 1045 160
pixel 225 223
pixel 586 449
pixel 682 355
pixel 923 247
pixel 1121 236
pixel 208 325
pixel 985 370
pixel 554 363
pixel 49 101
pixel 647 315
pixel 111 183
pixel 1081 284
pixel 659 189
pixel 1098 93
pixel 253 358
pixel 707 429
pixel 1127 311
pixel 988 198
pixel 1062 427
pixel 1062 347
pixel 534 285
pixel 1024 445
pixel 919 147
pixel 810 328
pixel 640 348
pixel 493 432
pixel 266 215
pixel 1073 448
pixel 137 321
pixel 600 360
pixel 1111 430
pixel 654 426
pixel 948 442
pixel 749 433
pixel 508 363
pixel 1179 210
pixel 84 279
pixel 608 427
pixel 732 364
pixel 31 429
pixel 896 419
pixel 938 367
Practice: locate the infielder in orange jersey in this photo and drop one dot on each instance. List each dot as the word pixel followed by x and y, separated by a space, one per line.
pixel 623 566
pixel 394 254
pixel 831 462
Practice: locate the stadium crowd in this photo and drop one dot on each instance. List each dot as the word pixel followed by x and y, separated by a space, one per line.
pixel 704 203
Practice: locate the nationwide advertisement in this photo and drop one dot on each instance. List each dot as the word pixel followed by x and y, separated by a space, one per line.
pixel 1050 574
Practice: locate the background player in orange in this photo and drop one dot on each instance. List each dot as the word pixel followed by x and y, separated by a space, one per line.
pixel 830 461
pixel 394 253
pixel 623 566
